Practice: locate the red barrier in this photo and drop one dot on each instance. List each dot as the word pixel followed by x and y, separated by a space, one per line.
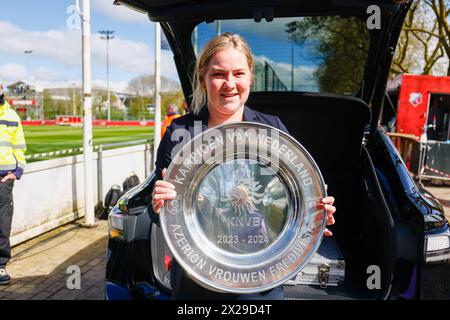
pixel 97 123
pixel 68 120
pixel 40 123
pixel 123 123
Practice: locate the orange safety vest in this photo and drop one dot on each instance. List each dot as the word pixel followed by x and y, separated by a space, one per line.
pixel 167 121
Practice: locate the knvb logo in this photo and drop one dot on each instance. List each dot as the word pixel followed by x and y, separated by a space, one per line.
pixel 374 20
pixel 74 20
pixel 244 195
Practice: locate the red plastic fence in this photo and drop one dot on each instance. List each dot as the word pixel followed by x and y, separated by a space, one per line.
pixel 103 123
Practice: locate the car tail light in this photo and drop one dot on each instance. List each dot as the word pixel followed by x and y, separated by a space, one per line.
pixel 438 243
pixel 117 225
pixel 437 248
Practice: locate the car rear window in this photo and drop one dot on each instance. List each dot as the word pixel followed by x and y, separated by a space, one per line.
pixel 309 54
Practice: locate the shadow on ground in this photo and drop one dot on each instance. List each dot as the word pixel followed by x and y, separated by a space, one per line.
pixel 92 263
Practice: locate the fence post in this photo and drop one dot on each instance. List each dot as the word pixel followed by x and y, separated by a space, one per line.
pixel 146 169
pixel 266 76
pixel 100 175
pixel 149 162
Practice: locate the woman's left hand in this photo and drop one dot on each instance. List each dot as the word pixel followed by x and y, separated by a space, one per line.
pixel 327 204
pixel 9 176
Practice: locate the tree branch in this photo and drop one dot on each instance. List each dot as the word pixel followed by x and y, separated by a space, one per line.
pixel 402 68
pixel 423 31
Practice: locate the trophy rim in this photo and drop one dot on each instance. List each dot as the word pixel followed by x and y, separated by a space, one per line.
pixel 210 284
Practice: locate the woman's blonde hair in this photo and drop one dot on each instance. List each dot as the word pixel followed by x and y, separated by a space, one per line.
pixel 216 44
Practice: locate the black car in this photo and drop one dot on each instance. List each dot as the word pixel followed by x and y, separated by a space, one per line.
pixel 322 67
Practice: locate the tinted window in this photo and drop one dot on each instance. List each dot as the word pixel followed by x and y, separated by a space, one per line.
pixel 313 54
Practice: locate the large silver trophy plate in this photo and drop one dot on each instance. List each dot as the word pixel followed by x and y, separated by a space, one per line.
pixel 246 217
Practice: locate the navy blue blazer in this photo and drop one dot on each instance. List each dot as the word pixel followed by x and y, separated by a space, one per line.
pixel 183 287
pixel 187 122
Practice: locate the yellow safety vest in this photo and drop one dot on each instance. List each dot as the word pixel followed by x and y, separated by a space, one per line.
pixel 12 142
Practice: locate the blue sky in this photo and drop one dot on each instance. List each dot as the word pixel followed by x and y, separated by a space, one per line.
pixel 46 28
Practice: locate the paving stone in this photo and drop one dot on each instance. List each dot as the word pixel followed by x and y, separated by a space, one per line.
pixel 43 295
pixel 26 296
pixel 40 270
pixel 95 261
pixel 59 295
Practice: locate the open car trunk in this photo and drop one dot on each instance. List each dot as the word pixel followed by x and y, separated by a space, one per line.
pixel 331 128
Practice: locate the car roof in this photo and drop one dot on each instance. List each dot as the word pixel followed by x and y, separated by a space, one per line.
pixel 192 10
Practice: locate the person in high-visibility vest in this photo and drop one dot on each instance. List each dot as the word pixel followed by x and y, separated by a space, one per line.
pixel 12 164
pixel 172 113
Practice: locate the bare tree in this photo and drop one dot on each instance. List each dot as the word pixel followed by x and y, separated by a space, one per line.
pixel 144 85
pixel 441 11
pixel 419 49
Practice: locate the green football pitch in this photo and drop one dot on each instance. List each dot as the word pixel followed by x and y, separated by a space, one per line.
pixel 42 139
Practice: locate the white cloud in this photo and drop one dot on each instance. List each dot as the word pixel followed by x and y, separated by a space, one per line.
pixel 128 55
pixel 119 12
pixel 42 77
pixel 64 46
pixel 12 72
pixel 118 86
pixel 42 74
pixel 45 78
pixel 54 44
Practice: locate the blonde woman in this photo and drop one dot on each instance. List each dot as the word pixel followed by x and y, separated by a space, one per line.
pixel 221 86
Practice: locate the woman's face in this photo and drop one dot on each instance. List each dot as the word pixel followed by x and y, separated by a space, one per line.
pixel 228 80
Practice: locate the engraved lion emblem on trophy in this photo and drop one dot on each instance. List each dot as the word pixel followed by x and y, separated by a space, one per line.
pixel 244 196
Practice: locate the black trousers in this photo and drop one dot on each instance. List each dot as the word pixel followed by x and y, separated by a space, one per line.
pixel 6 214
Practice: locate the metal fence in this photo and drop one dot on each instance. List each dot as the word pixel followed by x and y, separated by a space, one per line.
pixel 425 160
pixel 74 151
pixel 266 79
pixel 51 192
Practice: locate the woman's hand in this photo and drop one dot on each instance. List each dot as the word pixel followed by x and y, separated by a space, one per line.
pixel 327 204
pixel 163 191
pixel 10 176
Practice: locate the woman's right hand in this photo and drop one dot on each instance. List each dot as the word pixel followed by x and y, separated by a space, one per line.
pixel 163 191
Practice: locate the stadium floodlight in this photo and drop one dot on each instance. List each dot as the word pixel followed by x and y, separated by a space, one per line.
pixel 107 35
pixel 27 53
